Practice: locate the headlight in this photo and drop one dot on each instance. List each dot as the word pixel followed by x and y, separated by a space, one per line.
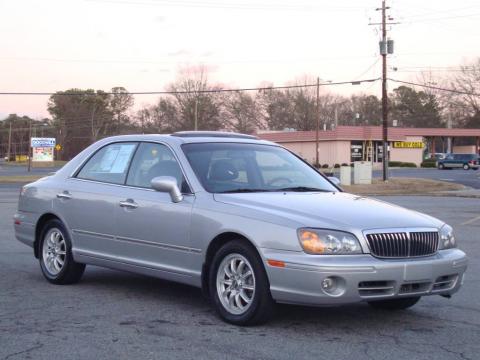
pixel 328 242
pixel 447 240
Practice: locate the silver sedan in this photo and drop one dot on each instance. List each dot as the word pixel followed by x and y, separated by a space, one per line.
pixel 246 220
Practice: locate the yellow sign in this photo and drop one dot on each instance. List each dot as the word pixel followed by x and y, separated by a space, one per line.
pixel 58 147
pixel 21 158
pixel 408 144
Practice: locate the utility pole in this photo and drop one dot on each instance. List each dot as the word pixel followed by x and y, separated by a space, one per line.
pixel 92 122
pixel 449 138
pixel 384 94
pixel 317 128
pixel 30 146
pixel 196 114
pixel 386 47
pixel 9 142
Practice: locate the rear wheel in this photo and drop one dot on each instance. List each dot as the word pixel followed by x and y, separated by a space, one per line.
pixel 56 260
pixel 239 286
pixel 441 166
pixel 395 304
pixel 466 166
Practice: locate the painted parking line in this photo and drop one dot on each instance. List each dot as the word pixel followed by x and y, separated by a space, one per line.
pixel 447 179
pixel 471 220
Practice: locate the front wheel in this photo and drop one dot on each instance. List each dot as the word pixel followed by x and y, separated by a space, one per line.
pixel 238 285
pixel 395 304
pixel 466 167
pixel 56 260
pixel 441 166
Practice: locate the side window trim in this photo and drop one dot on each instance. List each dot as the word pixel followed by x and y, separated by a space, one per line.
pixel 130 162
pixel 85 162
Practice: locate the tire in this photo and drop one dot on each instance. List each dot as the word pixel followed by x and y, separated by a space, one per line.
pixel 441 166
pixel 395 304
pixel 55 245
pixel 254 287
pixel 466 167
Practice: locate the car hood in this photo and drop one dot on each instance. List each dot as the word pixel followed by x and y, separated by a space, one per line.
pixel 327 210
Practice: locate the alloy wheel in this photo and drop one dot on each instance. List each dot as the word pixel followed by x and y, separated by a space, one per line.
pixel 235 284
pixel 54 251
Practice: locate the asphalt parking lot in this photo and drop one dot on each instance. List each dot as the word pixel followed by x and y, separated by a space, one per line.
pixel 469 178
pixel 119 315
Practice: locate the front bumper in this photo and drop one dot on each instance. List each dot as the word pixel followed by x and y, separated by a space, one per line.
pixel 362 277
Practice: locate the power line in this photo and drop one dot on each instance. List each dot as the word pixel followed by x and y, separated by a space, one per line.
pixel 464 69
pixel 434 12
pixel 208 91
pixel 166 62
pixel 234 6
pixel 435 87
pixel 443 18
pixel 368 69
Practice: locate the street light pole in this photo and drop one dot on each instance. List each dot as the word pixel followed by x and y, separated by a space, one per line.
pixel 317 128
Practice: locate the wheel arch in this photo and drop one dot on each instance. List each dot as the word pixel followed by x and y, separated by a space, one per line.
pixel 216 243
pixel 45 218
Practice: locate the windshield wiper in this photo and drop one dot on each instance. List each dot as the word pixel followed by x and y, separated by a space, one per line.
pixel 243 191
pixel 303 189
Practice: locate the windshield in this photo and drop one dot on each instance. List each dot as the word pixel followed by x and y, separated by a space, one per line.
pixel 235 167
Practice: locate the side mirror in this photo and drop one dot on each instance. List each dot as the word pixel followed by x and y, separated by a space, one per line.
pixel 169 185
pixel 334 180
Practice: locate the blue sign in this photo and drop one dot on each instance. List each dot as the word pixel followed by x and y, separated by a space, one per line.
pixel 42 142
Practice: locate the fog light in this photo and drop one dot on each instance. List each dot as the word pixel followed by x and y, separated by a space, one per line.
pixel 333 286
pixel 328 284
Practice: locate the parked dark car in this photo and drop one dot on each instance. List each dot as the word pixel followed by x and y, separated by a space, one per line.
pixel 465 161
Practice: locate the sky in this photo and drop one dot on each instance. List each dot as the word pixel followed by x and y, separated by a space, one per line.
pixel 53 45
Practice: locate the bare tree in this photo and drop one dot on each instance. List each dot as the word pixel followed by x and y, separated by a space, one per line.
pixel 121 101
pixel 241 112
pixel 198 103
pixel 467 83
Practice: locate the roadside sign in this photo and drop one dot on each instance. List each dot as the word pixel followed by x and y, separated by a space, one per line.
pixel 58 147
pixel 41 154
pixel 408 144
pixel 42 142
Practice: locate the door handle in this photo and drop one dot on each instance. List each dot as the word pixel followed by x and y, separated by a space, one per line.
pixel 129 203
pixel 64 195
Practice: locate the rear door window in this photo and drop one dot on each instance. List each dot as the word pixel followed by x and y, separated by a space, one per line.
pixel 109 164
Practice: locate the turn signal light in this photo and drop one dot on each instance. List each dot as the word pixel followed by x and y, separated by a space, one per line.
pixel 276 263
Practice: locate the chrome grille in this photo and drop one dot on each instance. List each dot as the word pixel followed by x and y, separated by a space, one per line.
pixel 403 244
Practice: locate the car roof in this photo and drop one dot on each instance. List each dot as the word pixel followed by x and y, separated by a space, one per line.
pixel 192 137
